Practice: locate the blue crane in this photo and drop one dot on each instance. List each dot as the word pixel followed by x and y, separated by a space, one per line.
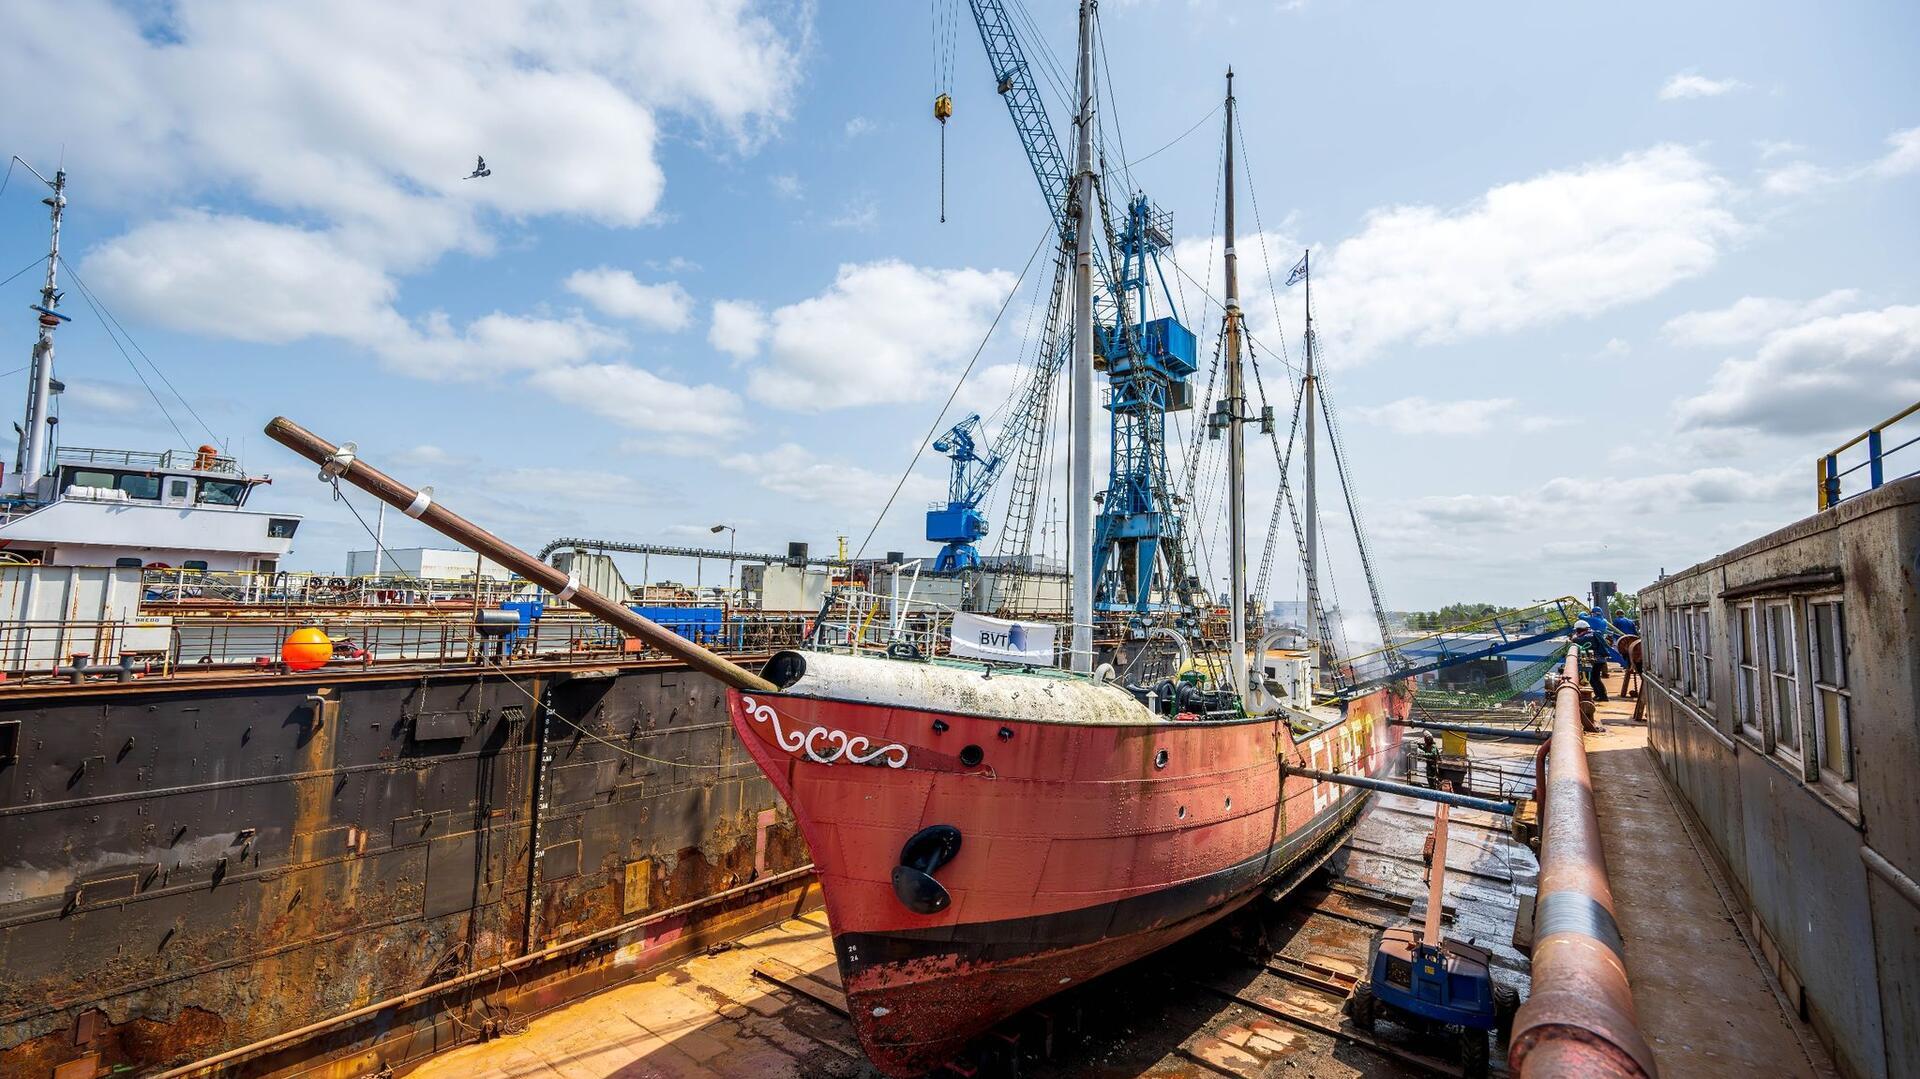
pixel 1147 366
pixel 961 521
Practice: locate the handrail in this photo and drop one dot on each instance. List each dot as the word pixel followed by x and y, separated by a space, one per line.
pixel 1580 1018
pixel 340 463
pixel 1827 470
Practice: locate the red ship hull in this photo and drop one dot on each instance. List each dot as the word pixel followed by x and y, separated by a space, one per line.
pixel 1084 845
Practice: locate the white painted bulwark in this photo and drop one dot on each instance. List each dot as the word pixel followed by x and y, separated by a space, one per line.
pixel 48 613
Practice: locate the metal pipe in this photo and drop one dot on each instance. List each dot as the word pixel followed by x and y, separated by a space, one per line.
pixel 1469 728
pixel 427 511
pixel 1580 1018
pixel 404 999
pixel 1426 794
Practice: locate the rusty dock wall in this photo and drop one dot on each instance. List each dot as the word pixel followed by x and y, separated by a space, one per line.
pixel 194 866
pixel 1784 702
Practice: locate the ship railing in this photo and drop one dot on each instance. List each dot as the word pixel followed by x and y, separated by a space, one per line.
pixel 857 620
pixel 189 645
pixel 1867 450
pixel 149 460
pixel 292 589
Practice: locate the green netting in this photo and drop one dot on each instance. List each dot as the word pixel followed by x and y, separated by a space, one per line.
pixel 1495 692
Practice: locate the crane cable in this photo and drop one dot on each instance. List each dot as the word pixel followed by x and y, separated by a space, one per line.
pixel 945 19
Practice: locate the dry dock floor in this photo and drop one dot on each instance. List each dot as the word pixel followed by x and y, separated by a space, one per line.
pixel 1258 995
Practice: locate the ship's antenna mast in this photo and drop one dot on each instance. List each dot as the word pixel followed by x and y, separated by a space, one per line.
pixel 30 463
pixel 1080 387
pixel 1312 508
pixel 1235 408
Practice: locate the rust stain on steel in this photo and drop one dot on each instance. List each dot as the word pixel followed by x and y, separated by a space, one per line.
pixel 1579 1019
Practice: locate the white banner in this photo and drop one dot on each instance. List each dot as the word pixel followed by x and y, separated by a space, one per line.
pixel 979 637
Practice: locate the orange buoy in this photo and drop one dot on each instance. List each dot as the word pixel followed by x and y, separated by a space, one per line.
pixel 306 649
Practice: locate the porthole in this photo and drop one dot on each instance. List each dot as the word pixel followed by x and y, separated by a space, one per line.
pixel 1182 814
pixel 972 755
pixel 1229 801
pixel 1160 759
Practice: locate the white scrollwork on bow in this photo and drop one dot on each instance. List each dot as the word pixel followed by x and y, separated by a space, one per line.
pixel 823 745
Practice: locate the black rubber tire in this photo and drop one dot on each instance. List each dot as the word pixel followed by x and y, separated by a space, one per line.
pixel 1506 1002
pixel 1473 1053
pixel 1362 1007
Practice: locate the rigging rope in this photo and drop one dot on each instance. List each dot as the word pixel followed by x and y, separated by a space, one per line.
pixel 103 309
pixel 87 295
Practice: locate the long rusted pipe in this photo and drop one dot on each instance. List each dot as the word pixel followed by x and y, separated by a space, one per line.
pixel 1580 1019
pixel 431 513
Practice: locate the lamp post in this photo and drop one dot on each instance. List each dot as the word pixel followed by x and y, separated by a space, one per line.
pixel 732 535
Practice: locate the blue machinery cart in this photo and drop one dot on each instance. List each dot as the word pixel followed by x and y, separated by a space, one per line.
pixel 1431 985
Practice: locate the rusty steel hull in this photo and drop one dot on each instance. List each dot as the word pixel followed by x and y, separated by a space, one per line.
pixel 1084 846
pixel 194 866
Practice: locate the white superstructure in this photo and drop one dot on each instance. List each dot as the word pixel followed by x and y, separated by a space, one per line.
pixel 66 506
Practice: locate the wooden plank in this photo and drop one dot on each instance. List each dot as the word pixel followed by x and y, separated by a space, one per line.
pixel 788 976
pixel 1279 1009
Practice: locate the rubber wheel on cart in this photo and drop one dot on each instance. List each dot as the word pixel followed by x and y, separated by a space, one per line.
pixel 1362 1007
pixel 1506 1002
pixel 1473 1053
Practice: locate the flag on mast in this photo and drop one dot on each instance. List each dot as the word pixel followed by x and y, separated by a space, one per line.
pixel 1299 273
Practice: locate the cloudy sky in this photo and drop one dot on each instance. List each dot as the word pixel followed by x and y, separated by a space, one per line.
pixel 1594 286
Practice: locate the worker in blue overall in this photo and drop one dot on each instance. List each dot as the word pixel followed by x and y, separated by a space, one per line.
pixel 1593 653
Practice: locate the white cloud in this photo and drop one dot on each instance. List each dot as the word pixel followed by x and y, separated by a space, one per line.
pixel 1420 416
pixel 250 280
pixel 617 293
pixel 858 214
pixel 348 129
pixel 112 398
pixel 1466 520
pixel 795 472
pixel 1902 156
pixel 739 327
pixel 787 185
pixel 568 485
pixel 1800 177
pixel 1751 318
pixel 434 348
pixel 1838 372
pixel 883 332
pixel 1772 148
pixel 858 126
pixel 236 277
pixel 638 398
pixel 1693 84
pixel 1564 244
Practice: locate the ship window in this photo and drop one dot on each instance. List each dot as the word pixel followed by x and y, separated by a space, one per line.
pixel 127 563
pixel 1701 684
pixel 195 564
pixel 1746 673
pixel 281 527
pixel 86 477
pixel 139 485
pixel 1783 693
pixel 222 493
pixel 1832 703
pixel 1677 662
pixel 177 490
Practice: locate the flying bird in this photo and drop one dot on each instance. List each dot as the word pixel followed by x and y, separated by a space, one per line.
pixel 480 169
